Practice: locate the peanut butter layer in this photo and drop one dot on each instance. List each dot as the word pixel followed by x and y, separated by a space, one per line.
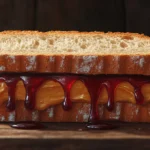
pixel 51 93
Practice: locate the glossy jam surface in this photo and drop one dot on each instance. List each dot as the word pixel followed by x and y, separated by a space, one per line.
pixel 27 125
pixel 101 126
pixel 94 84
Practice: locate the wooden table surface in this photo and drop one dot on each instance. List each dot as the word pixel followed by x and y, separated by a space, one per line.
pixel 72 136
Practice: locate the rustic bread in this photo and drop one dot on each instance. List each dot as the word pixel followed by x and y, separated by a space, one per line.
pixel 127 112
pixel 79 53
pixel 75 52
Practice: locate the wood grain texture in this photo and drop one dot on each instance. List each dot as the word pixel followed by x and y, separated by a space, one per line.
pixel 70 136
pixel 16 14
pixel 137 16
pixel 78 131
pixel 100 15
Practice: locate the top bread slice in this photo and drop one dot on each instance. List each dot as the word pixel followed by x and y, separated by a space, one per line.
pixel 74 52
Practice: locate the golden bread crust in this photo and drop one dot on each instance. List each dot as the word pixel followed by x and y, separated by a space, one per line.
pixel 126 35
pixel 124 64
pixel 126 112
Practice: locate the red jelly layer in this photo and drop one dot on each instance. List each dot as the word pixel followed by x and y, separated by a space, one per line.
pixel 94 84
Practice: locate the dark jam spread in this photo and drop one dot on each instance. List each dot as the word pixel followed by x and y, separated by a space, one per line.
pixel 94 84
pixel 28 125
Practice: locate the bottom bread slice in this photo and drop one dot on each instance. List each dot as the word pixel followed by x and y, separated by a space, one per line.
pixel 79 112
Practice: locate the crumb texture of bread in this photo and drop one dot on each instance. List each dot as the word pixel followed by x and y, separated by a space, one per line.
pixel 77 43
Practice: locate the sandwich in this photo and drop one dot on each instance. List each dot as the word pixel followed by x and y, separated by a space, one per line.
pixel 74 76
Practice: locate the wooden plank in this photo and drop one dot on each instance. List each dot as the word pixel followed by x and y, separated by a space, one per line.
pixel 78 131
pixel 75 136
pixel 17 144
pixel 137 16
pixel 101 15
pixel 17 15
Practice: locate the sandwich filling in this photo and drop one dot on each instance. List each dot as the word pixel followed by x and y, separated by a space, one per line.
pixel 41 91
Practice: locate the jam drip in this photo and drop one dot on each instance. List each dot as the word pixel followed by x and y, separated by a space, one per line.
pixel 66 83
pixel 11 84
pixel 93 83
pixel 137 90
pixel 93 88
pixel 31 86
pixel 110 90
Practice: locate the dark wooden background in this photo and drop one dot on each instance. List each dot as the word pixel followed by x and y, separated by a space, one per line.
pixel 82 15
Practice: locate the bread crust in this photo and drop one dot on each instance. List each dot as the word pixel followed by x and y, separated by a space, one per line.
pixel 126 112
pixel 125 35
pixel 90 65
